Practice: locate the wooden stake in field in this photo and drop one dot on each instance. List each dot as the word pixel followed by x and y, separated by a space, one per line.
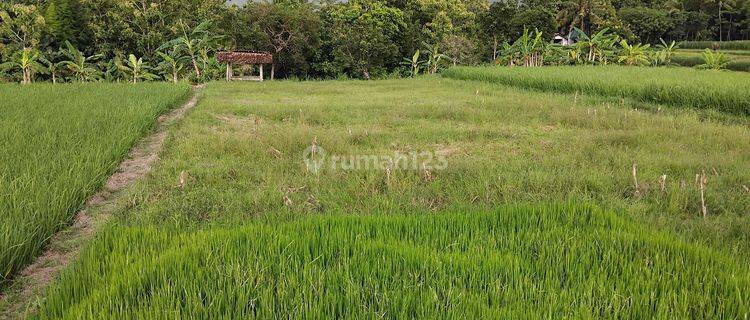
pixel 703 180
pixel 314 147
pixel 663 183
pixel 426 174
pixel 637 191
pixel 388 171
pixel 183 176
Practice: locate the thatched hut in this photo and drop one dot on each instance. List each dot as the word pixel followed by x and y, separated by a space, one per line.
pixel 232 58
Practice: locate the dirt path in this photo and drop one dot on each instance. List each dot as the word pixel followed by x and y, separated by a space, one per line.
pixel 21 296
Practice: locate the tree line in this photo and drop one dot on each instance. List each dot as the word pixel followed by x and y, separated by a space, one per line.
pixel 140 40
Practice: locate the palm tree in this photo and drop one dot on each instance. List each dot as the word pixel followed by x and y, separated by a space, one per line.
pixel 79 64
pixel 137 69
pixel 171 64
pixel 26 60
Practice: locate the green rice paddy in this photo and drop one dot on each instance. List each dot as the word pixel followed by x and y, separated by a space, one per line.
pixel 535 213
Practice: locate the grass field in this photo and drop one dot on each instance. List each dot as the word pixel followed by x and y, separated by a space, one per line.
pixel 59 144
pixel 722 91
pixel 252 231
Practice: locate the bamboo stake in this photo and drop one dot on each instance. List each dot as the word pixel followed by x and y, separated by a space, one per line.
pixel 183 175
pixel 635 180
pixel 663 183
pixel 702 183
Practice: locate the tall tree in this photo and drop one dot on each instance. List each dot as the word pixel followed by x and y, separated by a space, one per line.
pixel 21 26
pixel 289 27
pixel 61 17
pixel 495 23
pixel 363 34
pixel 647 24
pixel 588 15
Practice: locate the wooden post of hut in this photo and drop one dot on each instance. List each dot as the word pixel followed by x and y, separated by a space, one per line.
pixel 252 58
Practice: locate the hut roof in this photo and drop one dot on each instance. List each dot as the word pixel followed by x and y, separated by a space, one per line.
pixel 247 57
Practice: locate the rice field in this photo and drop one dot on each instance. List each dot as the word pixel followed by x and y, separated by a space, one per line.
pixel 511 203
pixel 545 261
pixel 738 60
pixel 678 87
pixel 535 213
pixel 59 144
pixel 724 45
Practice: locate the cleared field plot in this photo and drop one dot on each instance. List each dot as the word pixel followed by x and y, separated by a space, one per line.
pixel 233 223
pixel 723 91
pixel 59 143
pixel 520 262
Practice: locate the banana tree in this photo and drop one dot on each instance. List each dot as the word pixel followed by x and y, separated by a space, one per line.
pixel 434 57
pixel 111 70
pixel 414 63
pixel 557 54
pixel 599 46
pixel 531 48
pixel 665 53
pixel 713 60
pixel 195 43
pixel 172 64
pixel 136 69
pixel 27 61
pixel 508 55
pixel 52 68
pixel 81 66
pixel 633 55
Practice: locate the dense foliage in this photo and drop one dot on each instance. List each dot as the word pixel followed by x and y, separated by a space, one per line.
pixel 358 38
